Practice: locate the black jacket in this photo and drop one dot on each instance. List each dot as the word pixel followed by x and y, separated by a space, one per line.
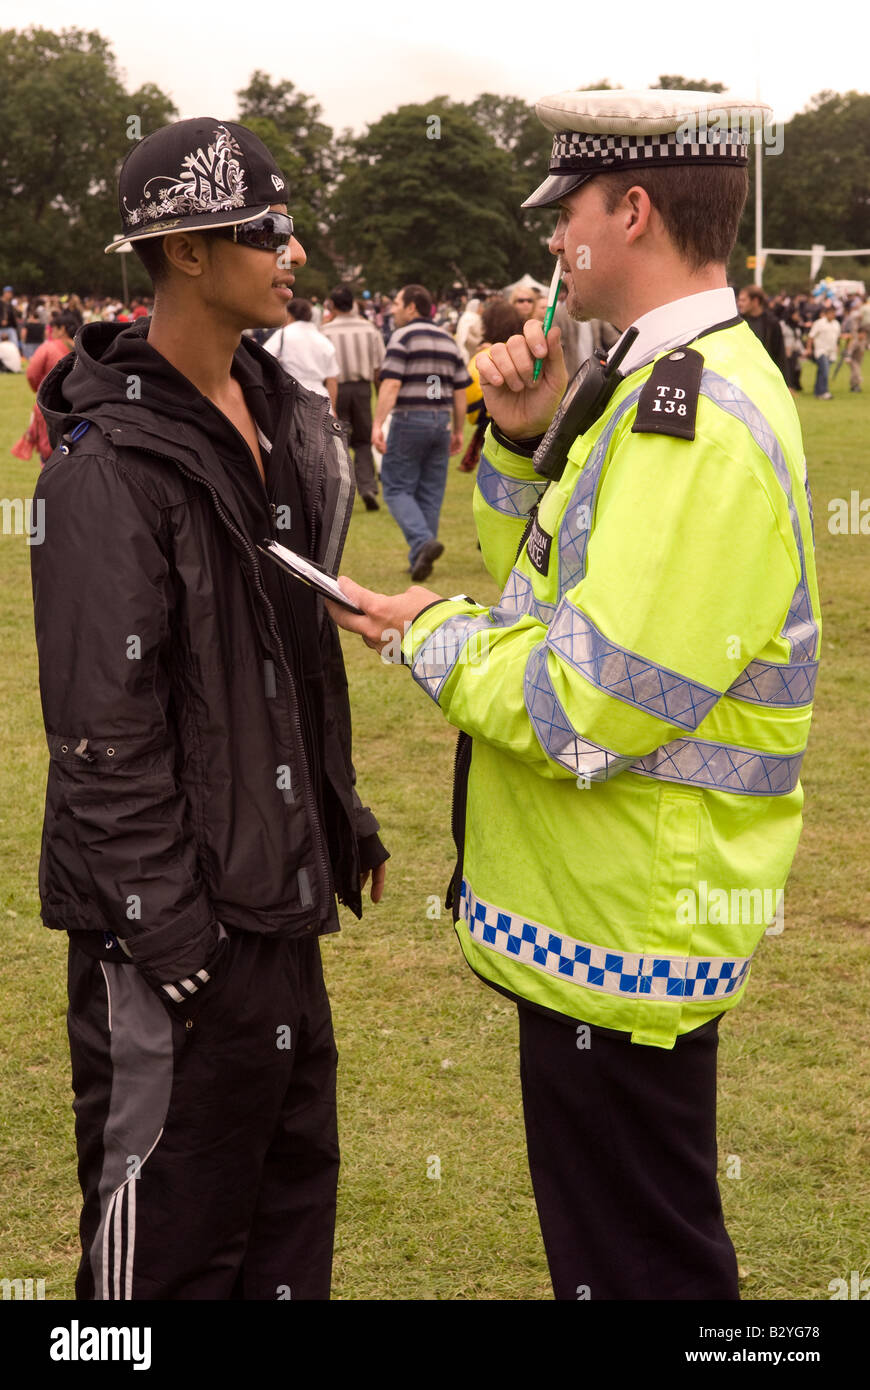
pixel 195 706
pixel 767 328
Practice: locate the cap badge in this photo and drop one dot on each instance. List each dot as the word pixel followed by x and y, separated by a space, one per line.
pixel 279 183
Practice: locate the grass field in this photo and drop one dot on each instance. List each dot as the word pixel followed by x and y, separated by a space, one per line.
pixel 428 1054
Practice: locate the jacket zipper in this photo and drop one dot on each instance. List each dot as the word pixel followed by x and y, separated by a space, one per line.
pixel 461 768
pixel 323 861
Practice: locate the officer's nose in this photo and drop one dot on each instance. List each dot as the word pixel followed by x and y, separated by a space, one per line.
pixel 556 244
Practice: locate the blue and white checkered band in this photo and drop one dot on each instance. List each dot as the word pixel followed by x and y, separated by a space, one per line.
pixel 655 977
pixel 575 152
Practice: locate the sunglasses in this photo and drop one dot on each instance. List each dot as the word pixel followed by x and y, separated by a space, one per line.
pixel 524 301
pixel 271 232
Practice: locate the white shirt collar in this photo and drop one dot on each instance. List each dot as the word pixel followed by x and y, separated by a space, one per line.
pixel 671 325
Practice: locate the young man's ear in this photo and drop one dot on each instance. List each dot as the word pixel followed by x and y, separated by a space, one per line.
pixel 186 252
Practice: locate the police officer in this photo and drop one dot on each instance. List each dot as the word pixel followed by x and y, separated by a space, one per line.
pixel 635 708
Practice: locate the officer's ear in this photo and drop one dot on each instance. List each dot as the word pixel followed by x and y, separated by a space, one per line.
pixel 638 213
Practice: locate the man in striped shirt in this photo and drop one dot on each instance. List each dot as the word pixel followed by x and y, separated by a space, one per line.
pixel 423 379
pixel 360 351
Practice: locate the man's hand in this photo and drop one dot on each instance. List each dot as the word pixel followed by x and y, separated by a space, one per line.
pixel 456 439
pixel 520 408
pixel 378 878
pixel 383 622
pixel 378 440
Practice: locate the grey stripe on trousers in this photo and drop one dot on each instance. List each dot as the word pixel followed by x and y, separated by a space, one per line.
pixel 142 1065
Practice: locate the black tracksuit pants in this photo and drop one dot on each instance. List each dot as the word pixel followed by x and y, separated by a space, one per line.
pixel 207 1140
pixel 622 1152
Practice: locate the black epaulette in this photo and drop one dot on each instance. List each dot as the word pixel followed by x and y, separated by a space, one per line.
pixel 669 401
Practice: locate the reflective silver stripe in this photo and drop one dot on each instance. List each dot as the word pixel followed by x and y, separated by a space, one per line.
pixel 722 767
pixel 800 629
pixel 766 683
pixel 574 531
pixel 809 497
pixel 510 496
pixel 519 598
pixel 626 676
pixel 445 646
pixel 625 974
pixel 693 762
pixel 442 649
pixel 557 736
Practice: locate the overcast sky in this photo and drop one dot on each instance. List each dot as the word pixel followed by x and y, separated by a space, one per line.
pixel 360 60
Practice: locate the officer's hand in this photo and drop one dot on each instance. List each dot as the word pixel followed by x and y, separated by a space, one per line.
pixel 386 616
pixel 519 408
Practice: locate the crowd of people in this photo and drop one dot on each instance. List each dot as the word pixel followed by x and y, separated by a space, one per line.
pixel 349 345
pixel 793 328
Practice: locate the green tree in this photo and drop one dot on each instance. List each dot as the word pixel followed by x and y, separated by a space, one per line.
pixel 426 196
pixel 65 117
pixel 675 82
pixel 288 122
pixel 514 127
pixel 818 188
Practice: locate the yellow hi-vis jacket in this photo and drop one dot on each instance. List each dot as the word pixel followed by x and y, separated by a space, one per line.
pixel 627 806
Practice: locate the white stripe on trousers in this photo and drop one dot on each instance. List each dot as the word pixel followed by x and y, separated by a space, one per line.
pixel 114 1221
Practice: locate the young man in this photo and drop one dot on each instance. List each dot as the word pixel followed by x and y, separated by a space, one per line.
pixel 200 815
pixel 635 708
pixel 423 382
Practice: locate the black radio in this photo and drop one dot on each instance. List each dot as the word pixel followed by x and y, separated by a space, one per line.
pixel 584 400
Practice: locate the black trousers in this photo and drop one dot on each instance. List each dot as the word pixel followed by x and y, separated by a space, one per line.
pixel 622 1152
pixel 354 408
pixel 207 1140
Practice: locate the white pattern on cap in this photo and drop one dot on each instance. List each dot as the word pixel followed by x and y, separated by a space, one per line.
pixel 210 180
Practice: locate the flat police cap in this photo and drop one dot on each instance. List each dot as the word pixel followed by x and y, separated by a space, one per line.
pixel 606 132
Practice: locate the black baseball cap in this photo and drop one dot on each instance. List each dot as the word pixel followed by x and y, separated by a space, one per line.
pixel 194 175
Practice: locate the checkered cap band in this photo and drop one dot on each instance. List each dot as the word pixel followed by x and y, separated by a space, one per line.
pixel 575 152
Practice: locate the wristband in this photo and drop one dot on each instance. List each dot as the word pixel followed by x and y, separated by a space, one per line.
pixel 526 447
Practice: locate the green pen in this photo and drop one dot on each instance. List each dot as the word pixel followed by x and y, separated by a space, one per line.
pixel 551 309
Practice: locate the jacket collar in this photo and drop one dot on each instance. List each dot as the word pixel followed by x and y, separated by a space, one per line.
pixel 315 440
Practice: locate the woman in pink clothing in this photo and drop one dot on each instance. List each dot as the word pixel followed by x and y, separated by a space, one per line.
pixel 60 341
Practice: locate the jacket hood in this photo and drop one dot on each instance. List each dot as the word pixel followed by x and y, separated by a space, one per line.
pixel 114 365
